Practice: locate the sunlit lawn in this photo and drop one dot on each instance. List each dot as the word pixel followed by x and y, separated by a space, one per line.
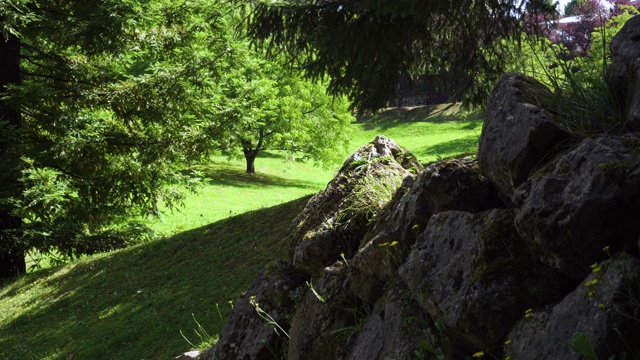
pixel 228 190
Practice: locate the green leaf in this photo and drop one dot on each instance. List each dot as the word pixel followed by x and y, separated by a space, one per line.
pixel 581 344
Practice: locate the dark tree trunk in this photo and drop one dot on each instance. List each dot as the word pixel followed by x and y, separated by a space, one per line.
pixel 250 157
pixel 11 253
pixel 251 152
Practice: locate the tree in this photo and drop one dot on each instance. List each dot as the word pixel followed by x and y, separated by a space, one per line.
pixel 569 9
pixel 592 14
pixel 265 107
pixel 105 104
pixel 367 47
pixel 11 259
pixel 102 105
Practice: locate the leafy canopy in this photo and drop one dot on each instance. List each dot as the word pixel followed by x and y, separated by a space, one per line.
pixel 117 98
pixel 365 48
pixel 263 106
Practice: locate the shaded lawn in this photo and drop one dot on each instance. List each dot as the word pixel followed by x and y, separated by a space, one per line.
pixel 136 301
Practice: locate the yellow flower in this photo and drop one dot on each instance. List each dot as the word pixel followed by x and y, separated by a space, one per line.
pixel 528 313
pixel 393 243
pixel 479 354
pixel 591 283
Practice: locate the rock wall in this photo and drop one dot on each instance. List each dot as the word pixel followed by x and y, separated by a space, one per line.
pixel 529 251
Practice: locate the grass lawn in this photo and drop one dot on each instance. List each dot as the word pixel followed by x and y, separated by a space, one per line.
pixel 429 132
pixel 134 303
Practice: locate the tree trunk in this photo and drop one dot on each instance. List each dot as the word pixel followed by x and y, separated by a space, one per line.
pixel 251 152
pixel 250 157
pixel 11 253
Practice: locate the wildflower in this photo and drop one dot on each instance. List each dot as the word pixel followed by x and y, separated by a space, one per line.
pixel 479 354
pixel 528 313
pixel 591 283
pixel 393 243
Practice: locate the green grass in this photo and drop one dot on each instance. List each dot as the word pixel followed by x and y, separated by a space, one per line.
pixel 133 303
pixel 430 133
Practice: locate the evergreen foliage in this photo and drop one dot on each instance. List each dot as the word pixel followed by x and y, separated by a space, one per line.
pixel 107 105
pixel 366 47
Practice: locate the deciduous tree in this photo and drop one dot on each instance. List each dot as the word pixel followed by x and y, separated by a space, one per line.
pixel 265 107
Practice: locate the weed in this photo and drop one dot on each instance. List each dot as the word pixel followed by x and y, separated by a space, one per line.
pixel 205 341
pixel 318 296
pixel 267 318
pixel 438 344
pixel 358 313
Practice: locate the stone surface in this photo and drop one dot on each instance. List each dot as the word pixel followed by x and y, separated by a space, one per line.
pixel 387 265
pixel 473 273
pixel 604 307
pixel 517 135
pixel 247 335
pixel 335 220
pixel 624 71
pixel 395 328
pixel 585 200
pixel 328 310
pixel 453 184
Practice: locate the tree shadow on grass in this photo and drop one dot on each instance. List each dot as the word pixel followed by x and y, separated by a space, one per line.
pixel 138 300
pixel 227 175
pixel 445 149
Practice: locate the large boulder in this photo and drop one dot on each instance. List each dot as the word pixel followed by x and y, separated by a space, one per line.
pixel 335 220
pixel 624 72
pixel 326 318
pixel 453 184
pixel 473 273
pixel 587 199
pixel 251 332
pixel 517 134
pixel 396 328
pixel 601 314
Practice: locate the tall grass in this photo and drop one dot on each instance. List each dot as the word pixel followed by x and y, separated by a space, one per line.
pixel 582 101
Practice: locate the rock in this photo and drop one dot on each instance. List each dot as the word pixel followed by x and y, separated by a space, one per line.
pixel 517 134
pixel 624 71
pixel 473 273
pixel 585 200
pixel 604 308
pixel 396 329
pixel 190 355
pixel 327 316
pixel 335 220
pixel 247 335
pixel 454 184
